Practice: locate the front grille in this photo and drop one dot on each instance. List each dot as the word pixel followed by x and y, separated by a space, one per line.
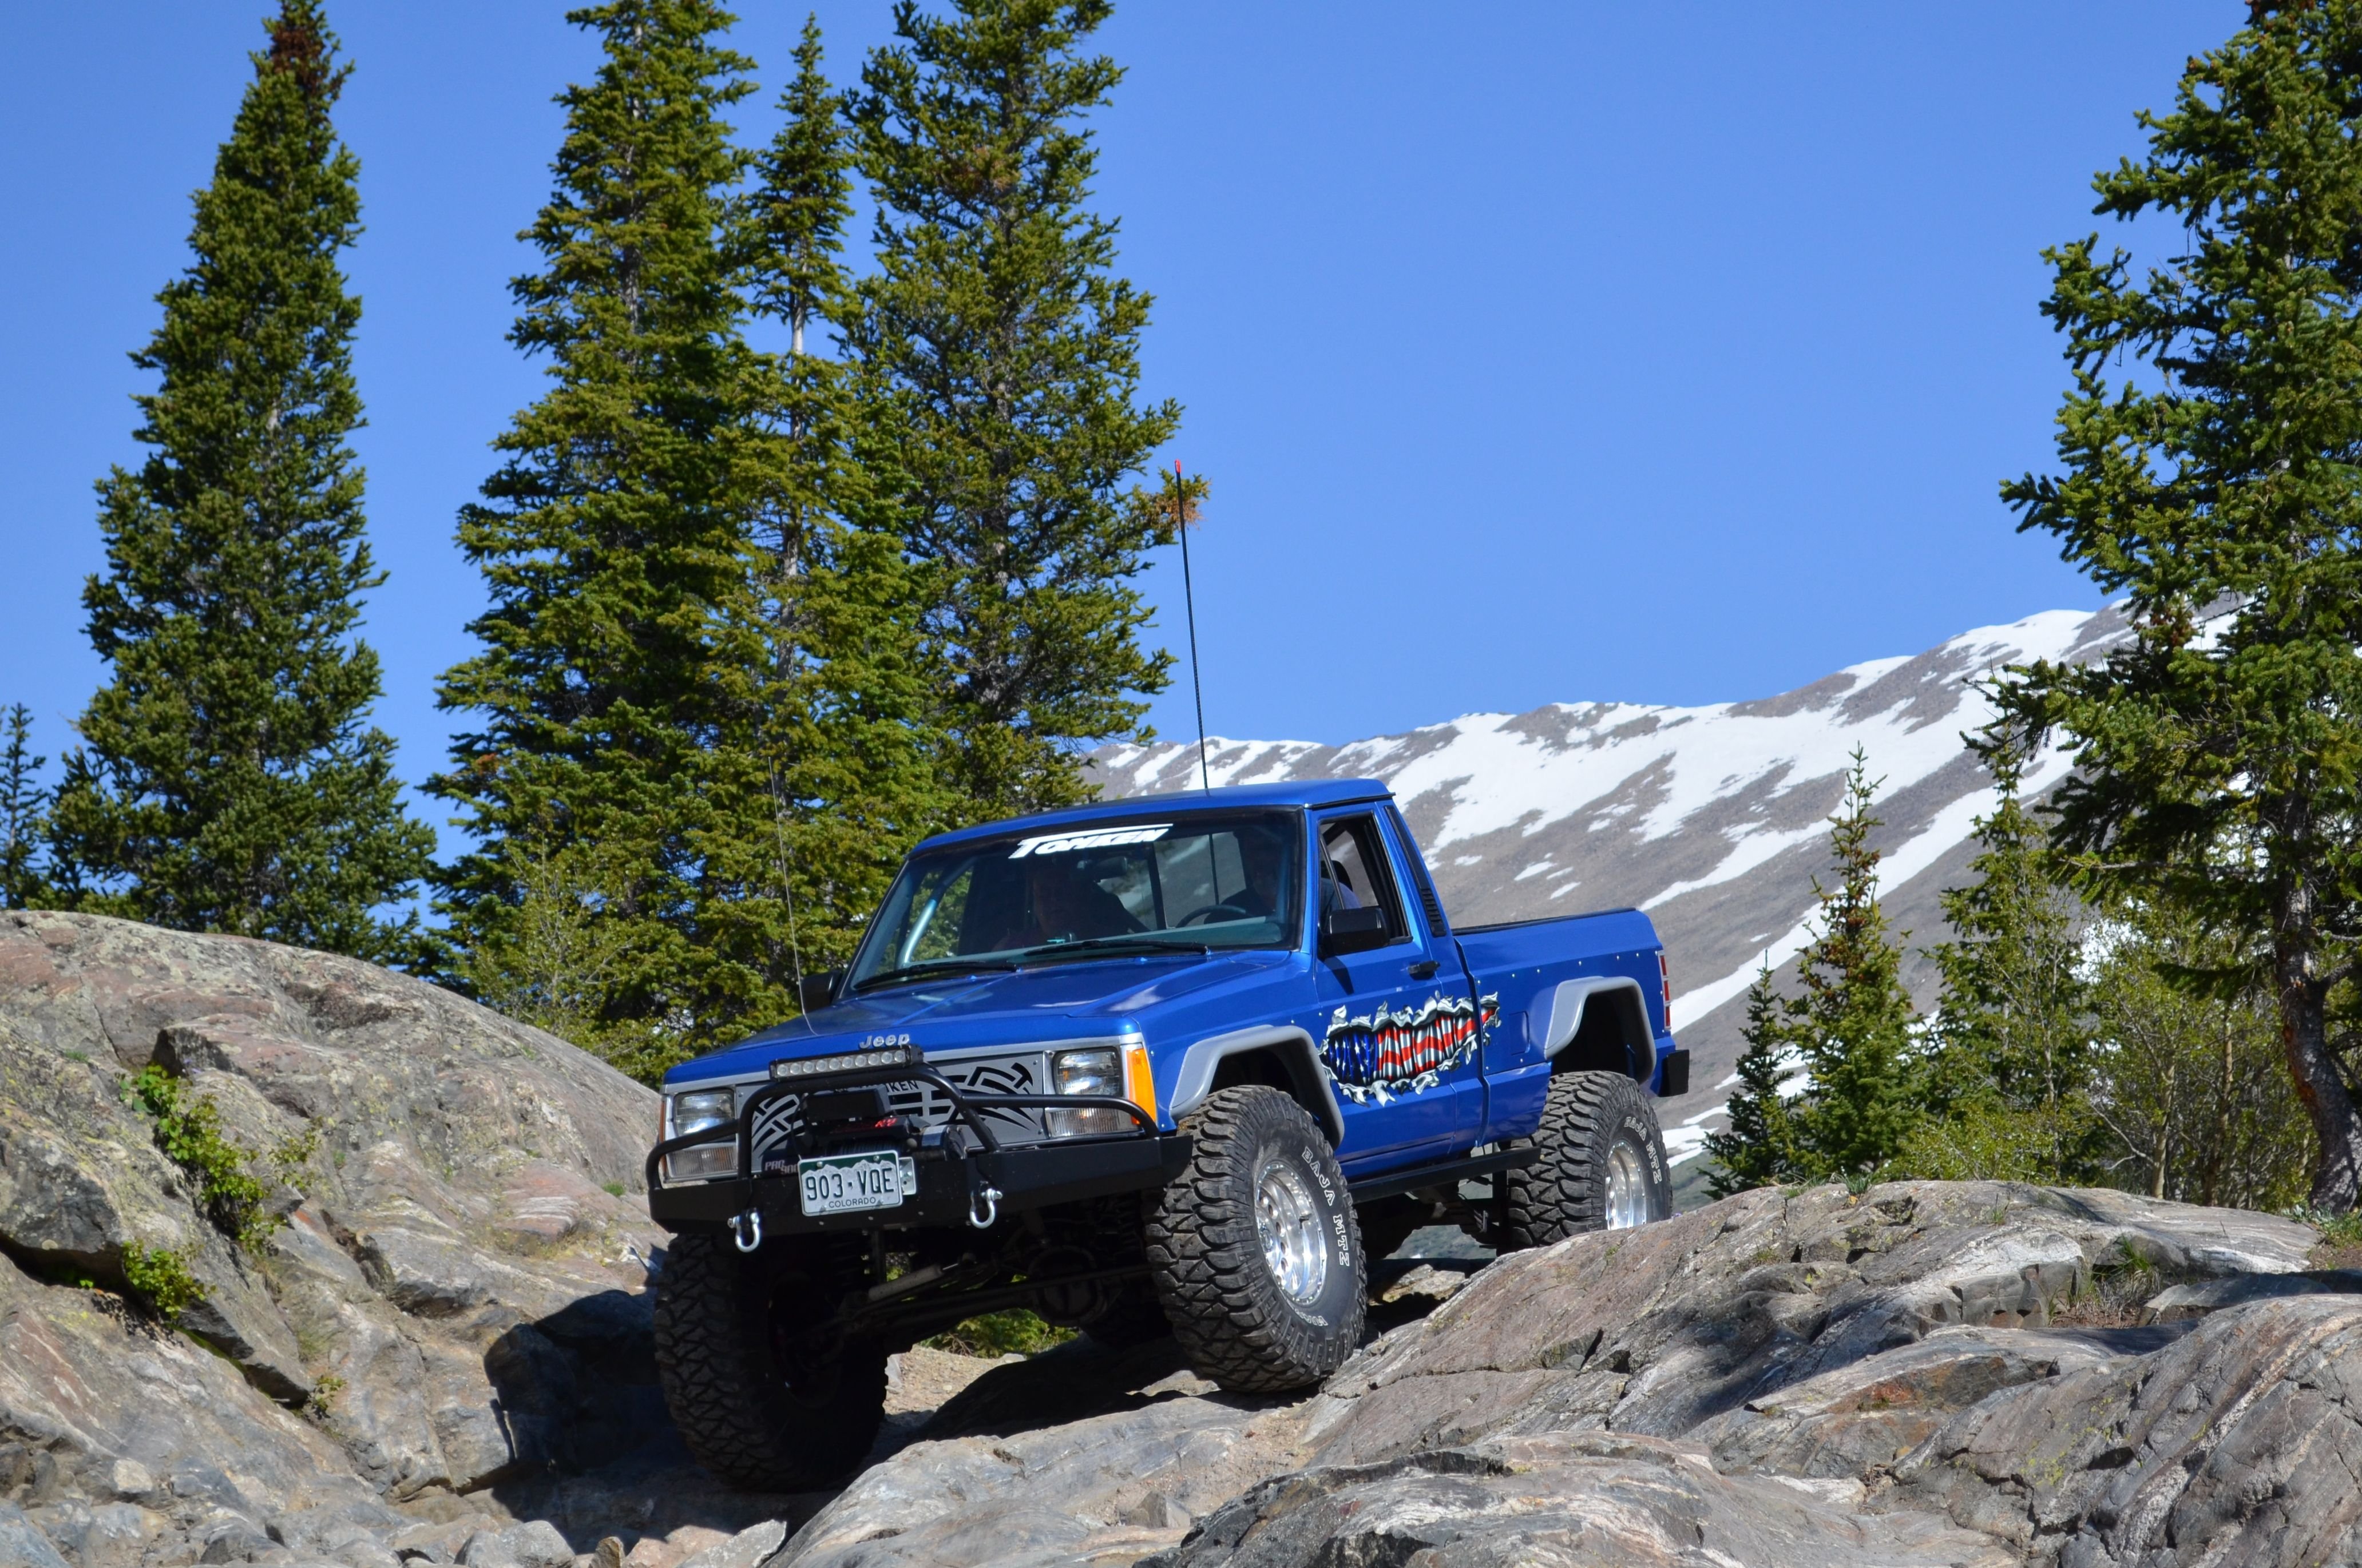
pixel 782 1119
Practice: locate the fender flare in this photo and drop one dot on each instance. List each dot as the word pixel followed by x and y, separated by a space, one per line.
pixel 1571 999
pixel 1295 1049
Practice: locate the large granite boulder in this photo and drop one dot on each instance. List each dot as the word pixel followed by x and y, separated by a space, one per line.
pixel 457 1302
pixel 1924 1372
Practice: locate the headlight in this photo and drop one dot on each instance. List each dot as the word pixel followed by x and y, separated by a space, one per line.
pixel 702 1110
pixel 1121 1074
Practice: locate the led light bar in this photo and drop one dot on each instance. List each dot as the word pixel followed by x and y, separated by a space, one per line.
pixel 850 1062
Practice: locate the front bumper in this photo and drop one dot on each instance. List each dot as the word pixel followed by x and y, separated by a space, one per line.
pixel 950 1189
pixel 955 1188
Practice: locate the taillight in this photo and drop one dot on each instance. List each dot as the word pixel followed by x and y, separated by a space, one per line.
pixel 1665 991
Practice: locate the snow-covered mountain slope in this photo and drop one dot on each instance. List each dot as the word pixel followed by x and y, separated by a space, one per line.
pixel 1712 819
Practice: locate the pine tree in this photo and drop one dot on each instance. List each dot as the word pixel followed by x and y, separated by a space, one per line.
pixel 2009 1067
pixel 1848 1033
pixel 623 653
pixel 995 327
pixel 1759 1148
pixel 227 779
pixel 2218 754
pixel 1854 1020
pixel 847 776
pixel 24 811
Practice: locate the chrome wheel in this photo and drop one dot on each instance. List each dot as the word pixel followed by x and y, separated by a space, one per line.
pixel 1628 1194
pixel 1295 1248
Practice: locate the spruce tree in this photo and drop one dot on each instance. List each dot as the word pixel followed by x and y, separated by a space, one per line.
pixel 1849 1031
pixel 1854 1020
pixel 228 779
pixel 623 651
pixel 996 327
pixel 24 811
pixel 847 781
pixel 2008 1076
pixel 2217 484
pixel 1759 1147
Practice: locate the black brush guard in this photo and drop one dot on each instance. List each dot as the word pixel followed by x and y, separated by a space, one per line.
pixel 955 1188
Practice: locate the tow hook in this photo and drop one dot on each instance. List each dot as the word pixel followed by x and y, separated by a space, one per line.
pixel 988 1199
pixel 747 1230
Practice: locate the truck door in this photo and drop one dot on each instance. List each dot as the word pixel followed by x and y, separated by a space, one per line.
pixel 1396 1027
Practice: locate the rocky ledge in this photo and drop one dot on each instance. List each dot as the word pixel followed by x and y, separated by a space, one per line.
pixel 442 1355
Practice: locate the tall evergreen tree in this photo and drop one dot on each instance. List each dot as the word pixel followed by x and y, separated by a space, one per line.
pixel 841 726
pixel 227 779
pixel 1849 1030
pixel 996 327
pixel 2218 754
pixel 2009 1074
pixel 623 650
pixel 23 810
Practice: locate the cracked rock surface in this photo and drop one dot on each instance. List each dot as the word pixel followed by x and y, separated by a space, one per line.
pixel 442 1356
pixel 1963 1374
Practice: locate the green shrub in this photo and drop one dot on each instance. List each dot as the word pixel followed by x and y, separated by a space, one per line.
pixel 322 1400
pixel 1000 1333
pixel 160 1277
pixel 188 1129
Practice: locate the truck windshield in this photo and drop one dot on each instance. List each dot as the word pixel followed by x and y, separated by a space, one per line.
pixel 1114 889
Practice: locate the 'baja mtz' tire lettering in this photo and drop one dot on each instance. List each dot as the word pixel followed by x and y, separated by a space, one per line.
pixel 1237 1324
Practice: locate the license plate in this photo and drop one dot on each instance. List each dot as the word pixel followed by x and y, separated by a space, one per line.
pixel 847 1184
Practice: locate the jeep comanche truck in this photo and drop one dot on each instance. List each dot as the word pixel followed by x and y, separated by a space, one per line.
pixel 1173 1064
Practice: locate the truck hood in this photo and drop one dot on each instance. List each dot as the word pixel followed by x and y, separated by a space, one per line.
pixel 1085 1000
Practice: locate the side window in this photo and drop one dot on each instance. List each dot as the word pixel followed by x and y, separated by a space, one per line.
pixel 1354 872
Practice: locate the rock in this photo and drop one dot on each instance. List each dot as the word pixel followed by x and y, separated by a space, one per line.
pixel 2196 1300
pixel 1764 1369
pixel 747 1549
pixel 23 1544
pixel 455 1298
pixel 535 1544
pixel 1596 1498
pixel 2239 1443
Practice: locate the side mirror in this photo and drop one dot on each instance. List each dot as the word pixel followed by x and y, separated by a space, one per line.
pixel 1353 931
pixel 814 992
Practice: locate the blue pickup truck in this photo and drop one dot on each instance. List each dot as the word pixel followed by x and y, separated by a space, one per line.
pixel 1176 1064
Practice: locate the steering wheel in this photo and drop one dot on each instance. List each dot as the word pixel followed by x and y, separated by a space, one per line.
pixel 1193 916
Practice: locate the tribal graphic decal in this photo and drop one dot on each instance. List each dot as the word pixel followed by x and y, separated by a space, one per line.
pixel 1395 1052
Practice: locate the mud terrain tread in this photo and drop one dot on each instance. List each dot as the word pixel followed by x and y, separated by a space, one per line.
pixel 1207 1260
pixel 729 1403
pixel 1560 1195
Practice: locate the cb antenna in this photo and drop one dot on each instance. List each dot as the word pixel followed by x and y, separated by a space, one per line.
pixel 1184 512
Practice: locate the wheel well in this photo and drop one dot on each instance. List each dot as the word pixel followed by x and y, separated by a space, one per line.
pixel 1271 1070
pixel 1613 1037
pixel 1263 1067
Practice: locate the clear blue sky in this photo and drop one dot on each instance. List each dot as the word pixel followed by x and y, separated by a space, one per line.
pixel 1536 352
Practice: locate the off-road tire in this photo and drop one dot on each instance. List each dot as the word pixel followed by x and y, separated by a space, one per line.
pixel 744 1415
pixel 1564 1192
pixel 1206 1252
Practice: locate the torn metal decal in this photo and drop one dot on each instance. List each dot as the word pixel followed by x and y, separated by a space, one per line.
pixel 1403 1051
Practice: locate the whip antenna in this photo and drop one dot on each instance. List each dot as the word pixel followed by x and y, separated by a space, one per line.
pixel 1183 514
